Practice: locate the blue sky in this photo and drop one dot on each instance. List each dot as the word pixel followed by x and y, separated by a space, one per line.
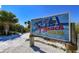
pixel 28 12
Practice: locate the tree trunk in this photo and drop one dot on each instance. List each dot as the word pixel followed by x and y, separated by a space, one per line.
pixel 6 29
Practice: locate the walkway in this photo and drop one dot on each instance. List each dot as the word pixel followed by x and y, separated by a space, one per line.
pixel 21 45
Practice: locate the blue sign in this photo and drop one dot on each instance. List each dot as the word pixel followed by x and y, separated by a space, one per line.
pixel 53 27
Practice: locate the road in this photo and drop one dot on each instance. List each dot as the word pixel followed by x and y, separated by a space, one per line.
pixel 21 45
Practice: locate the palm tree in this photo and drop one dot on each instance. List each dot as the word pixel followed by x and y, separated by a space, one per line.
pixel 28 22
pixel 7 19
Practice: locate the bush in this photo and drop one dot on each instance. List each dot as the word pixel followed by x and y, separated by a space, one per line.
pixel 77 28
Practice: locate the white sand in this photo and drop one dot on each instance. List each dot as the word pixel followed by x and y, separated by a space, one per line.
pixel 21 45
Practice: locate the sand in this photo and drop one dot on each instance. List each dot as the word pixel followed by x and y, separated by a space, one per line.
pixel 22 45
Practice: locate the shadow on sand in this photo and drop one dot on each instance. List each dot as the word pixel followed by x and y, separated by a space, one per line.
pixel 10 37
pixel 35 48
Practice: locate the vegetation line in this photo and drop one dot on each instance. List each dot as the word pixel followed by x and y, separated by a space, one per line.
pixel 9 24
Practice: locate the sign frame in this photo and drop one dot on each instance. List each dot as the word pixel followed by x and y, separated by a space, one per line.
pixel 54 38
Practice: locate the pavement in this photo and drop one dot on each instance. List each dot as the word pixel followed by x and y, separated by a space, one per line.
pixel 22 45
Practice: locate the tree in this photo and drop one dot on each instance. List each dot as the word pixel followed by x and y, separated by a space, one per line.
pixel 28 22
pixel 7 19
pixel 19 28
pixel 77 28
pixel 1 28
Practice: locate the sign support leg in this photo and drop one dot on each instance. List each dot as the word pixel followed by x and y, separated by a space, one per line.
pixel 31 40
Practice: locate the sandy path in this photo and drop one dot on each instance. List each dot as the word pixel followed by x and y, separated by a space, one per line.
pixel 21 45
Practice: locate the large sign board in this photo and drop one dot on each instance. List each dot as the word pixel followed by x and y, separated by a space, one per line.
pixel 53 27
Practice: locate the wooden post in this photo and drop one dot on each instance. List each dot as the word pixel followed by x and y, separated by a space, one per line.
pixel 31 40
pixel 73 34
pixel 72 46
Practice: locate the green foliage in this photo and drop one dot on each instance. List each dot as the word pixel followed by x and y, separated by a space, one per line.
pixel 77 28
pixel 7 17
pixel 28 22
pixel 26 29
pixel 8 21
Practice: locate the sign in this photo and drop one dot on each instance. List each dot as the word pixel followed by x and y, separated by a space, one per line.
pixel 53 27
